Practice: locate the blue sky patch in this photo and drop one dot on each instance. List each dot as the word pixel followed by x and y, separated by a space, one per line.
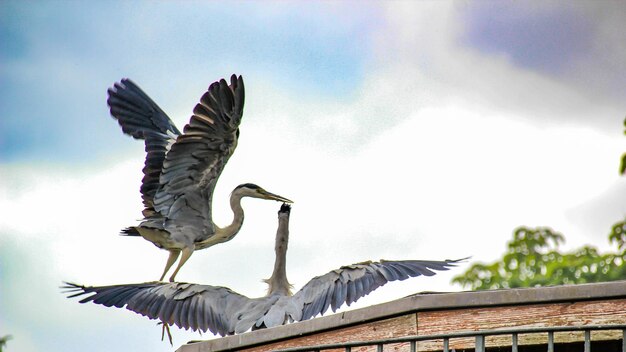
pixel 60 57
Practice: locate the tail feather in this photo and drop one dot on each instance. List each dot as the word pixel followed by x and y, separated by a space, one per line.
pixel 130 231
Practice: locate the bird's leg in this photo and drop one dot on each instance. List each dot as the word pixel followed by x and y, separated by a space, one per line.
pixel 187 252
pixel 165 328
pixel 170 261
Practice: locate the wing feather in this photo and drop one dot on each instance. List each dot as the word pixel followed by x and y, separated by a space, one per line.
pixel 144 302
pixel 351 297
pixel 108 297
pixel 195 161
pixel 155 306
pixel 340 295
pixel 166 312
pixel 121 298
pixel 176 313
pixel 222 311
pixel 188 306
pixel 349 283
pixel 198 314
pixel 140 117
pixel 183 314
pixel 212 321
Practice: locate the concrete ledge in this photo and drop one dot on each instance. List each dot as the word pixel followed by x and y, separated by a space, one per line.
pixel 415 303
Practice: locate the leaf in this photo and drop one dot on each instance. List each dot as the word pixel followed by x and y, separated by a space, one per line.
pixel 533 259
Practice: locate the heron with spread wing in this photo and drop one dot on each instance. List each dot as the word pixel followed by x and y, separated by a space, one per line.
pixel 181 169
pixel 225 312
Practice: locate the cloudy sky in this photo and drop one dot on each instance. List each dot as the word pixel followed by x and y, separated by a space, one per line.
pixel 400 130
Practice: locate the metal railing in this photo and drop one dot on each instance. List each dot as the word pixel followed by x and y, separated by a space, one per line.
pixel 478 335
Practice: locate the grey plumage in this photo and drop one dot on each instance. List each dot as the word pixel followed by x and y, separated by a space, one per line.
pixel 224 312
pixel 142 118
pixel 182 169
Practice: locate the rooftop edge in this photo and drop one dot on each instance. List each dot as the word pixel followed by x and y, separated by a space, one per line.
pixel 414 303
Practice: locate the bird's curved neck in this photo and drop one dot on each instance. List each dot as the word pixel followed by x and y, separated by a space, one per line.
pixel 228 232
pixel 235 205
pixel 278 283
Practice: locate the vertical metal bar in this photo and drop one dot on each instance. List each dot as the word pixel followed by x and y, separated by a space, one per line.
pixel 514 342
pixel 550 341
pixel 348 349
pixel 480 343
pixel 413 346
pixel 587 340
pixel 624 340
pixel 379 347
pixel 446 344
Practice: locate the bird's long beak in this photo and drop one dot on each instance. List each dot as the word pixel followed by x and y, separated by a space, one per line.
pixel 267 195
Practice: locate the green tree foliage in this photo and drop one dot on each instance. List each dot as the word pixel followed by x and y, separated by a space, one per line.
pixel 617 233
pixel 3 341
pixel 533 259
pixel 622 166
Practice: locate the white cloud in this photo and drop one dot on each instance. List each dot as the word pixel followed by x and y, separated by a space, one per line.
pixel 440 153
pixel 423 52
pixel 447 182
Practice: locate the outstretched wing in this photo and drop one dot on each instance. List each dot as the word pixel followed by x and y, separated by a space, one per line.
pixel 225 312
pixel 197 158
pixel 351 282
pixel 188 306
pixel 142 118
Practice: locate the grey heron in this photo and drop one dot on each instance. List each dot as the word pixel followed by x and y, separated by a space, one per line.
pixel 181 169
pixel 225 312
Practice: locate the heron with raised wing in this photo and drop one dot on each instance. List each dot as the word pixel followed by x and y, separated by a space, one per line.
pixel 225 312
pixel 181 169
